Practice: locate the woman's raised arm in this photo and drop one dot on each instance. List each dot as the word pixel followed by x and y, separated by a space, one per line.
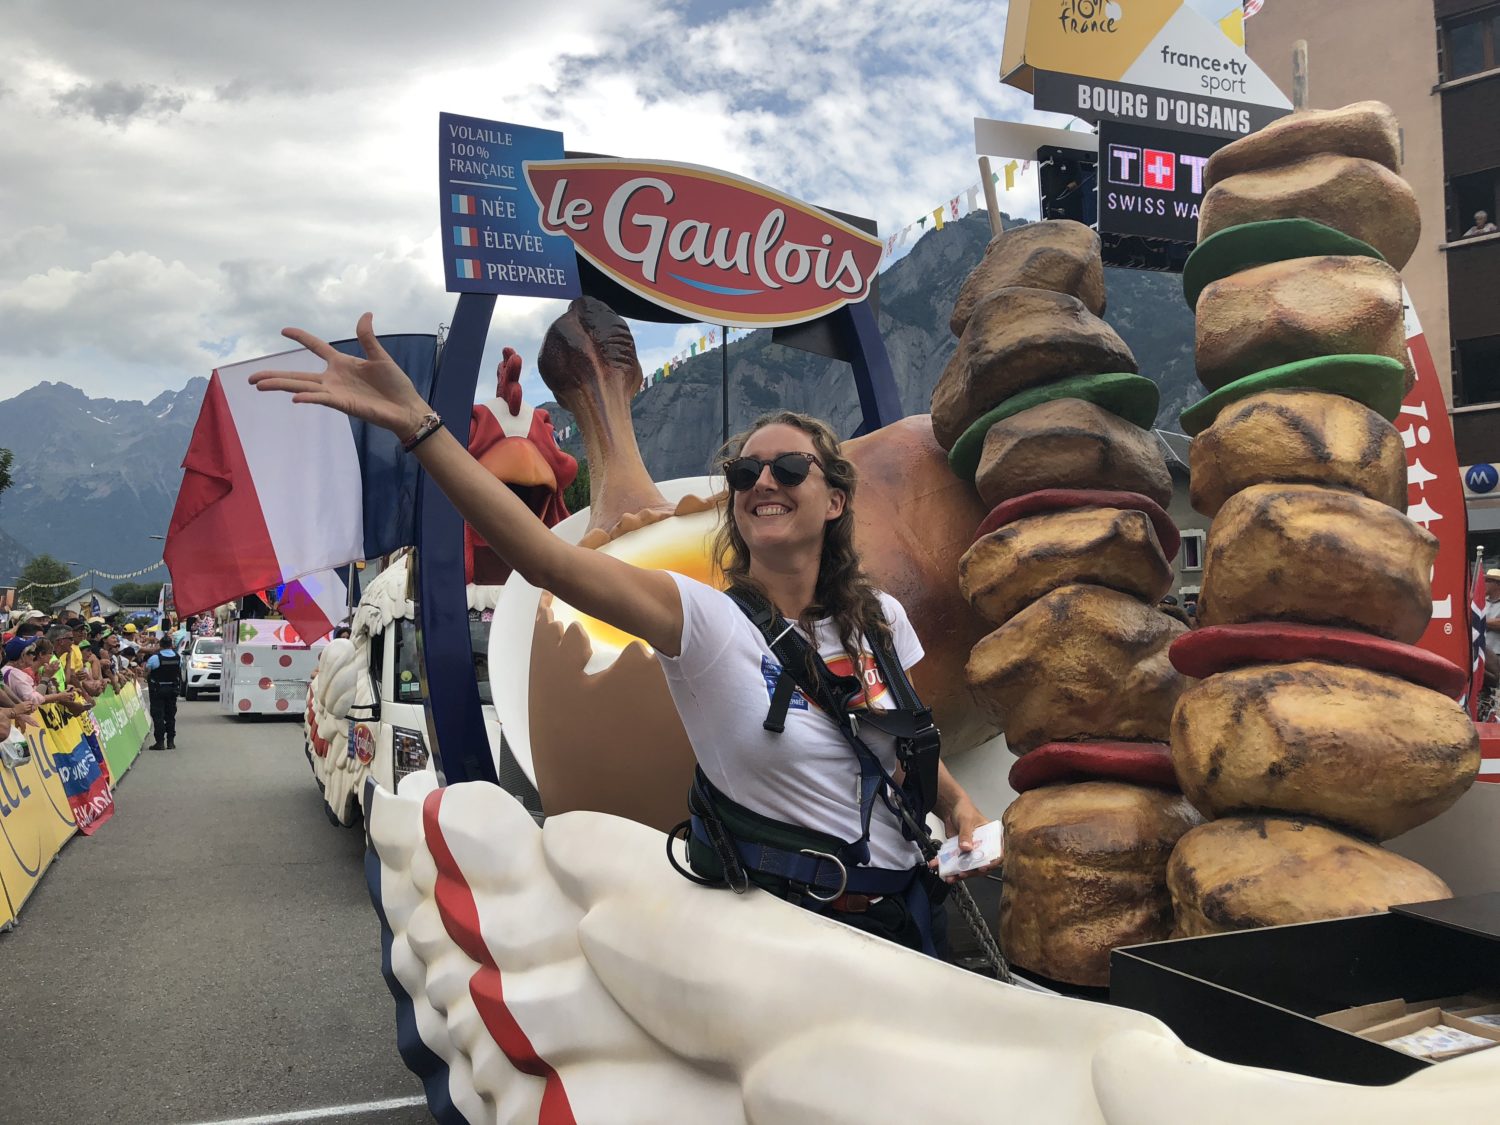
pixel 641 602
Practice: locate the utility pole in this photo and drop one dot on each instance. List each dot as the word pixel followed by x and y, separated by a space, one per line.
pixel 1299 74
pixel 991 201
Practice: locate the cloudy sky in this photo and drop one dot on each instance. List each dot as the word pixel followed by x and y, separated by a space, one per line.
pixel 185 179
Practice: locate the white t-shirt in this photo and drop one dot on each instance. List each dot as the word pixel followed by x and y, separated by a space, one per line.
pixel 807 775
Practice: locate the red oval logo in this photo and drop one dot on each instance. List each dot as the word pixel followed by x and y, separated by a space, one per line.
pixel 364 743
pixel 712 246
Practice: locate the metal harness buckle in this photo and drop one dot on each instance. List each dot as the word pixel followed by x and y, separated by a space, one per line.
pixel 843 876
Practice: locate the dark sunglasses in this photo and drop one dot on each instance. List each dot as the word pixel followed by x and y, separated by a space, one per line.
pixel 789 469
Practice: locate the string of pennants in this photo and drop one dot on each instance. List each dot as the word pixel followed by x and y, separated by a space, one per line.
pixel 77 579
pixel 970 199
pixel 966 201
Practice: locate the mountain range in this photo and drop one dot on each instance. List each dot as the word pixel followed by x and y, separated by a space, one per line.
pixel 96 478
pixel 678 421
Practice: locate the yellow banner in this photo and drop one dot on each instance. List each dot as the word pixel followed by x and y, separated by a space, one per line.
pixel 35 822
pixel 1185 47
pixel 1093 38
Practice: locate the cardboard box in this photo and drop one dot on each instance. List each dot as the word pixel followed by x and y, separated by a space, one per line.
pixel 1366 1015
pixel 1486 1014
pixel 1395 1033
pixel 1296 998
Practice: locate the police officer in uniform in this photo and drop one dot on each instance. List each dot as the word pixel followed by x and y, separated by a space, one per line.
pixel 163 672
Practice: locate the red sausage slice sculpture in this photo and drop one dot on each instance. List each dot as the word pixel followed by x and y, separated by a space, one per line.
pixel 1057 499
pixel 1143 763
pixel 1218 648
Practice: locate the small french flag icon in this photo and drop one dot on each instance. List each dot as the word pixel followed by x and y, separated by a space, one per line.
pixel 468 268
pixel 465 236
pixel 463 204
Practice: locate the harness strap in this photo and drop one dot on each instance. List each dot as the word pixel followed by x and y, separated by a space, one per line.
pixel 824 874
pixel 830 692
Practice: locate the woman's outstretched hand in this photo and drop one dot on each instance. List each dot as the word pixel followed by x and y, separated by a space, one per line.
pixel 374 389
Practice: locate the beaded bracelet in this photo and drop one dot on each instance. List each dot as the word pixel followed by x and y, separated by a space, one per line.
pixel 429 425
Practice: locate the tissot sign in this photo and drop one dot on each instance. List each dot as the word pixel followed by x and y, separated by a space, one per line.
pixel 1434 496
pixel 1151 180
pixel 712 246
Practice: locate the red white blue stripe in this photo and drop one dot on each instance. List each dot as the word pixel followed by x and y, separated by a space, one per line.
pixel 273 491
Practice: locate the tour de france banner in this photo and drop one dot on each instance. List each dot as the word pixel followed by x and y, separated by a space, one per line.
pixel 35 820
pixel 1174 64
pixel 76 756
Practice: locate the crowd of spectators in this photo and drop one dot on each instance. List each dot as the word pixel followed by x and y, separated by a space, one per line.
pixel 69 660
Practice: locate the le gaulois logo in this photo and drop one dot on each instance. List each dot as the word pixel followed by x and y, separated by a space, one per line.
pixel 712 246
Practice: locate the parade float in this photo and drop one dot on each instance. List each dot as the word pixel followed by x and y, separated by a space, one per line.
pixel 1235 780
pixel 1201 815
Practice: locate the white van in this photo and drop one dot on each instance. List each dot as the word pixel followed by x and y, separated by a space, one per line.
pixel 266 667
pixel 366 714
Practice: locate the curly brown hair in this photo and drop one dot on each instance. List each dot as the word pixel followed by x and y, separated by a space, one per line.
pixel 842 591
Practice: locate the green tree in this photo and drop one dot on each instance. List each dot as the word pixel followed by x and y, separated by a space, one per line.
pixel 576 495
pixel 6 458
pixel 48 578
pixel 135 593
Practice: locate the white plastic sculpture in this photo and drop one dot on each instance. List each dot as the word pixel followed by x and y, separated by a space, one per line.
pixel 568 974
pixel 343 681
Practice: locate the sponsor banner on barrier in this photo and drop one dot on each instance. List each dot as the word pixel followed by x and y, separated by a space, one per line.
pixel 74 754
pixel 35 822
pixel 122 724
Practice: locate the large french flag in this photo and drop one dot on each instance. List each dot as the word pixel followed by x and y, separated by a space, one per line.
pixel 273 491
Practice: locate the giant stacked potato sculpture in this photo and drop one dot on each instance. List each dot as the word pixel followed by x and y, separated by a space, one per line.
pixel 1041 407
pixel 1315 729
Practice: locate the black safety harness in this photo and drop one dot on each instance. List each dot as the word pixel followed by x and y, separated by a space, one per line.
pixel 730 845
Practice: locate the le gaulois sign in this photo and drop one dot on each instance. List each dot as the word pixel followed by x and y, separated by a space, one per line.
pixel 714 247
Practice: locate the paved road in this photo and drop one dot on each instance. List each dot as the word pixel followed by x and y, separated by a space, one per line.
pixel 211 954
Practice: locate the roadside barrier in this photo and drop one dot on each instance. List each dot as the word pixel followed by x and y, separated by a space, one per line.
pixel 62 783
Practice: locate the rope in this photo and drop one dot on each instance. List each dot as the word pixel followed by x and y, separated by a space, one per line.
pixel 988 947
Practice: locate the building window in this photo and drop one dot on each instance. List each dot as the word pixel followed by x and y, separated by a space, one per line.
pixel 1471 43
pixel 1191 555
pixel 1478 374
pixel 1474 200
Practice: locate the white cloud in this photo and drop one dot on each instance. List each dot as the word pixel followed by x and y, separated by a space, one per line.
pixel 184 181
